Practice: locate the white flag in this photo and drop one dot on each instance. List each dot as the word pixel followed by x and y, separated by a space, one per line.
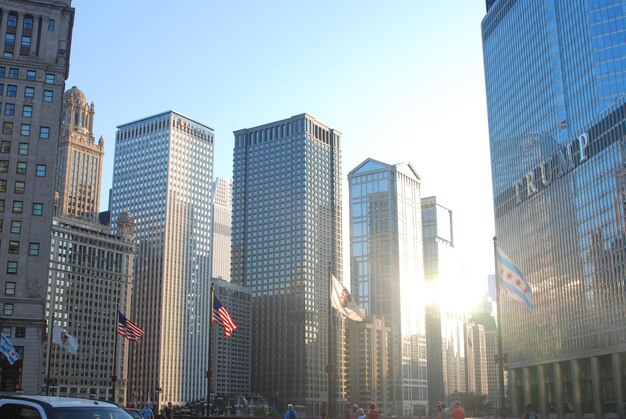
pixel 343 302
pixel 64 339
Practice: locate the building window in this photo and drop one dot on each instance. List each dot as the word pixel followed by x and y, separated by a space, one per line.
pixel 25 42
pixel 9 288
pixel 1 89
pixel 29 92
pixel 16 227
pixel 48 95
pixel 27 111
pixel 23 149
pixel 11 90
pixel 14 73
pixel 12 21
pixel 41 170
pixel 3 71
pixel 11 268
pixel 20 186
pixel 37 208
pixel 17 207
pixel 25 130
pixel 1 205
pixel 9 109
pixel 4 166
pixel 33 249
pixel 3 185
pixel 7 331
pixel 9 39
pixel 7 128
pixel 44 133
pixel 14 247
pixel 50 78
pixel 21 168
pixel 5 146
pixel 28 23
pixel 20 332
pixel 31 75
pixel 7 308
pixel 51 23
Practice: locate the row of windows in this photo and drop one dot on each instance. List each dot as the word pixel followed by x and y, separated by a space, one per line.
pixel 18 207
pixel 25 130
pixel 29 92
pixel 21 168
pixel 14 248
pixel 20 186
pixel 20 332
pixel 27 23
pixel 5 147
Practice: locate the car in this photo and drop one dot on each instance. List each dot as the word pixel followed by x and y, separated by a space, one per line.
pixel 135 413
pixel 50 407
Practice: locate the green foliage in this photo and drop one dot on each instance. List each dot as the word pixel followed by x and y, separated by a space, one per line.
pixel 476 404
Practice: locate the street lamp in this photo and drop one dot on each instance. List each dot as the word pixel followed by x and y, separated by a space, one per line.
pixel 157 391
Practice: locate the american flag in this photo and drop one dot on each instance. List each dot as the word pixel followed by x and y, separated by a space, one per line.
pixel 222 318
pixel 128 329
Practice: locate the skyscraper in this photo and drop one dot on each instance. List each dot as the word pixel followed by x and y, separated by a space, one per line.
pixel 162 175
pixel 556 83
pixel 35 62
pixel 79 161
pixel 286 241
pixel 438 239
pixel 221 213
pixel 387 272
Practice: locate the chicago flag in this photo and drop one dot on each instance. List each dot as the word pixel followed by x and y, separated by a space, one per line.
pixel 512 280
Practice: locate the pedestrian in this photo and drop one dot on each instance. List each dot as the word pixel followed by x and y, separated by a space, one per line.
pixel 353 413
pixel 373 413
pixel 360 414
pixel 439 414
pixel 445 410
pixel 169 411
pixel 457 411
pixel 529 413
pixel 146 412
pixel 290 413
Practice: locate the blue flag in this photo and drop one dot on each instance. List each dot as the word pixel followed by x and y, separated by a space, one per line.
pixel 513 281
pixel 7 349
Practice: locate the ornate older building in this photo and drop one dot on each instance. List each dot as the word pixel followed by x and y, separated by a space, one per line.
pixel 79 160
pixel 35 39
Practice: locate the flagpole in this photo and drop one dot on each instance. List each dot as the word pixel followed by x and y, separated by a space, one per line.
pixel 114 376
pixel 209 374
pixel 50 331
pixel 330 352
pixel 499 320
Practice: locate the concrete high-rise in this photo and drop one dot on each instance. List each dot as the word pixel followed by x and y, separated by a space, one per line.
pixel 90 279
pixel 556 96
pixel 79 161
pixel 387 272
pixel 162 175
pixel 35 63
pixel 286 239
pixel 221 213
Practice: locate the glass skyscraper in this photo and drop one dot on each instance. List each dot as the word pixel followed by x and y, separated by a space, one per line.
pixel 387 272
pixel 162 175
pixel 286 240
pixel 555 73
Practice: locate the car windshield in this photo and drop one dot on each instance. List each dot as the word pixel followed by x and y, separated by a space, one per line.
pixel 89 413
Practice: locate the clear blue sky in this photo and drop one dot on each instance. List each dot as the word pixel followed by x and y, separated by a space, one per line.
pixel 402 80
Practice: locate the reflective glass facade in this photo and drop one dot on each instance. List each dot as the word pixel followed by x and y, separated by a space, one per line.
pixel 555 76
pixel 387 272
pixel 286 238
pixel 162 175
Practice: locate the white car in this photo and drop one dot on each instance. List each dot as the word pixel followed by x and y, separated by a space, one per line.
pixel 49 407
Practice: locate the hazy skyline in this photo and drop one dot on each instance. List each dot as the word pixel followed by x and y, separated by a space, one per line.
pixel 403 81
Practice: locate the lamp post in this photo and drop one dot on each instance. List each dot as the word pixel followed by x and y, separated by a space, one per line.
pixel 157 392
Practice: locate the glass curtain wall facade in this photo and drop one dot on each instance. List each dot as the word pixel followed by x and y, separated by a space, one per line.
pixel 555 75
pixel 438 263
pixel 162 175
pixel 387 278
pixel 286 241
